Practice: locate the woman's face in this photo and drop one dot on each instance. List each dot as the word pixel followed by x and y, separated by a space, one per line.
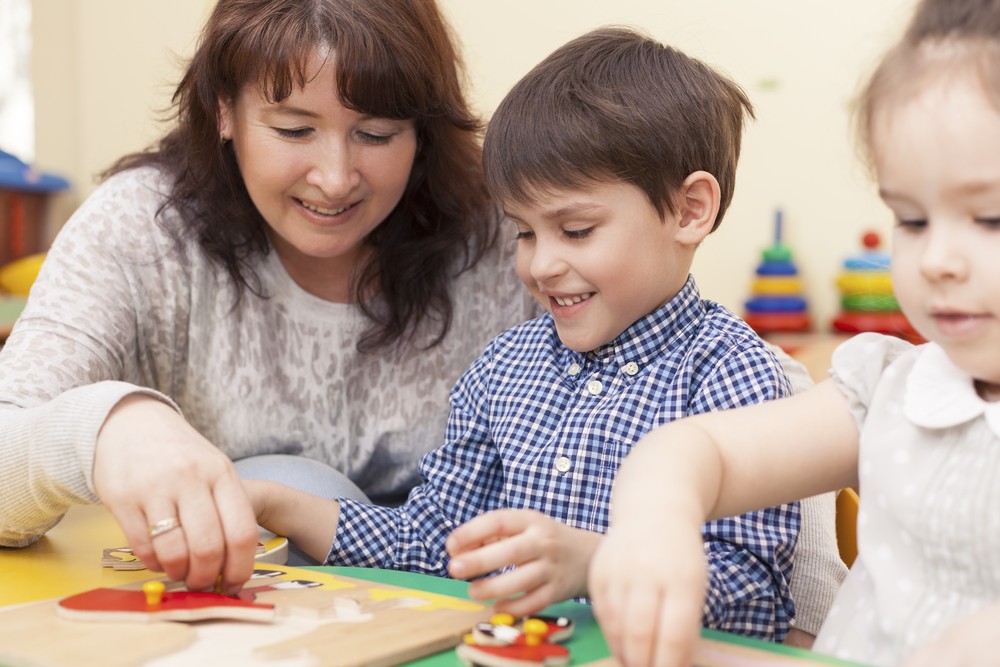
pixel 322 176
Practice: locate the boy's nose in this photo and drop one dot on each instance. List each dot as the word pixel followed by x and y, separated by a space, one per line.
pixel 546 263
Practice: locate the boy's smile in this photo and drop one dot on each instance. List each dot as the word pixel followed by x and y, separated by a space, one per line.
pixel 598 259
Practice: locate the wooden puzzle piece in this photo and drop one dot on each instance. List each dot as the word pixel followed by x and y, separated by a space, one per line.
pixel 121 558
pixel 504 629
pixel 154 603
pixel 529 648
pixel 271 548
pixel 507 642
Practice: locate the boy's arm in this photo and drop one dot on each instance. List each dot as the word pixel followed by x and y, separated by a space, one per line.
pixel 647 580
pixel 461 479
pixel 308 521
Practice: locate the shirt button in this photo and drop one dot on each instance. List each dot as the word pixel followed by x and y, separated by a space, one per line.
pixel 563 464
pixel 631 368
pixel 574 369
pixel 594 387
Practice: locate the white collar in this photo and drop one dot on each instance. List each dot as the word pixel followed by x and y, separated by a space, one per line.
pixel 940 395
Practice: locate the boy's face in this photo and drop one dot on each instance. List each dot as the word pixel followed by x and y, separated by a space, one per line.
pixel 598 259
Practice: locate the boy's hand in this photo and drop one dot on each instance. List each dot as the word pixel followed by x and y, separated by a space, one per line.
pixel 969 641
pixel 647 585
pixel 551 558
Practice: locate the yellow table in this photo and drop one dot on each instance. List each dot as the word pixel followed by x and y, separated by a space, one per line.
pixel 66 560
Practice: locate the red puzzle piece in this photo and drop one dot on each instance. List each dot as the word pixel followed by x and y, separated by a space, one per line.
pixel 114 604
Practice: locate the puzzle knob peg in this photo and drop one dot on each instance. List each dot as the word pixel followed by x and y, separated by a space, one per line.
pixel 154 592
pixel 535 630
pixel 502 619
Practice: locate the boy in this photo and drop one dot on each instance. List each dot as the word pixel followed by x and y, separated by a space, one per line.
pixel 614 158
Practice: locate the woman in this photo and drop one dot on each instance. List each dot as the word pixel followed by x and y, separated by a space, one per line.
pixel 303 266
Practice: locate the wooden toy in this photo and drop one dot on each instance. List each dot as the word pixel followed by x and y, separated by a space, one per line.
pixel 531 643
pixel 24 197
pixel 271 549
pixel 504 629
pixel 867 301
pixel 153 603
pixel 777 304
pixel 315 618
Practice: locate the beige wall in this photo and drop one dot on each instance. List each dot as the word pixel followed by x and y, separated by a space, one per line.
pixel 104 68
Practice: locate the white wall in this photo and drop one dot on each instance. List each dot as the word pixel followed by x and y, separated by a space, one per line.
pixel 105 67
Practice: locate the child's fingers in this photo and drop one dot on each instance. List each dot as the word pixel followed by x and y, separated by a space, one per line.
pixel 491 557
pixel 678 623
pixel 521 579
pixel 484 529
pixel 638 626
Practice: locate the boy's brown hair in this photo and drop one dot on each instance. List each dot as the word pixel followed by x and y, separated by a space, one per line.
pixel 615 104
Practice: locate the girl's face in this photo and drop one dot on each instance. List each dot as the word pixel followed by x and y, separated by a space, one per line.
pixel 937 155
pixel 322 176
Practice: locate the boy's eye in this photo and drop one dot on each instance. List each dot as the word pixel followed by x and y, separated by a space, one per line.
pixel 293 133
pixel 578 233
pixel 524 235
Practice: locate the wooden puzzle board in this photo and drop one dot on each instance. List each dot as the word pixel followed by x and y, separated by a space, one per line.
pixel 323 619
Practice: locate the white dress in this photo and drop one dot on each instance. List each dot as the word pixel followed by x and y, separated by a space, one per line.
pixel 928 523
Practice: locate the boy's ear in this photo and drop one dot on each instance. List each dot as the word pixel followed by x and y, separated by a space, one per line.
pixel 698 205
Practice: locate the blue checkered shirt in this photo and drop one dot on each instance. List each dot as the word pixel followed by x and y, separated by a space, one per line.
pixel 538 426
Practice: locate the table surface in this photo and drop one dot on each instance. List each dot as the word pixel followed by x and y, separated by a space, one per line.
pixel 67 561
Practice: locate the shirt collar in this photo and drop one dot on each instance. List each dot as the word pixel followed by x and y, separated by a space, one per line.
pixel 651 335
pixel 940 395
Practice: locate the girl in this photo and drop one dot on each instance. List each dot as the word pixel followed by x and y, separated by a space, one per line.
pixel 917 427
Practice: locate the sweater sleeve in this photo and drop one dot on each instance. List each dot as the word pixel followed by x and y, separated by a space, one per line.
pixel 71 358
pixel 48 455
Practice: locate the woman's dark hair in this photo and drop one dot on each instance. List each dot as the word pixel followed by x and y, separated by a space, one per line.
pixel 393 59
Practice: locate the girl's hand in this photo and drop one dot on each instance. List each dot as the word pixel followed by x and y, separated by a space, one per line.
pixel 968 642
pixel 647 585
pixel 551 559
pixel 151 466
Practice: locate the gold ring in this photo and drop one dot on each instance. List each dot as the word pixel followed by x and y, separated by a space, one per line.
pixel 164 526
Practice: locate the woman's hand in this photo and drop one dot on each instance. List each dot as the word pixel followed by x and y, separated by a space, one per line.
pixel 151 467
pixel 551 559
pixel 647 585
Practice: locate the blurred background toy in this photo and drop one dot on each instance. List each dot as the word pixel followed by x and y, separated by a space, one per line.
pixel 867 301
pixel 777 304
pixel 24 197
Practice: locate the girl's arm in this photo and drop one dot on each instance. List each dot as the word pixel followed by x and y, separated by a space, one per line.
pixel 648 578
